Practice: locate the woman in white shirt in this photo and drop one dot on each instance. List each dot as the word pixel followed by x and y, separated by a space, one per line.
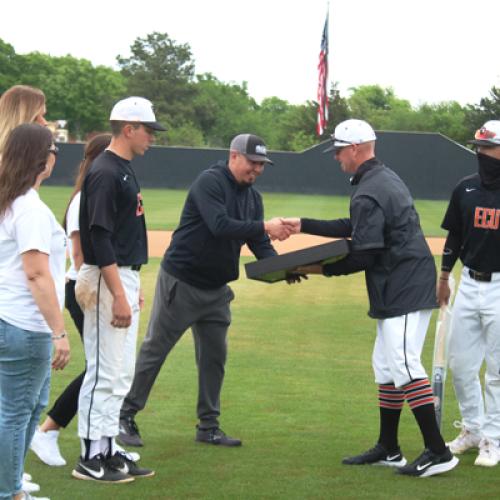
pixel 44 442
pixel 32 262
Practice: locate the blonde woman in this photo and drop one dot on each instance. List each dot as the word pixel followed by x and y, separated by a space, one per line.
pixel 20 104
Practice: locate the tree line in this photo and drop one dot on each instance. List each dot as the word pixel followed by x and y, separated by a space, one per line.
pixel 202 111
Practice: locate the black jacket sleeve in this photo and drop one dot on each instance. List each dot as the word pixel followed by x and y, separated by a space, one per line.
pixel 353 263
pixel 209 197
pixel 261 247
pixel 337 228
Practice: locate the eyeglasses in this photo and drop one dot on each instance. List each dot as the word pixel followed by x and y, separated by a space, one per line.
pixel 54 150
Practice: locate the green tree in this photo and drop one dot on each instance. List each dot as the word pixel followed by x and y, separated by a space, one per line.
pixel 76 91
pixel 380 107
pixel 223 110
pixel 9 66
pixel 161 70
pixel 447 118
pixel 487 109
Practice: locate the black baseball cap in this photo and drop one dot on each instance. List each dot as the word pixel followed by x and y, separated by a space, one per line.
pixel 252 146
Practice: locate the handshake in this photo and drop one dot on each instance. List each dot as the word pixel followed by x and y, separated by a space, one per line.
pixel 280 228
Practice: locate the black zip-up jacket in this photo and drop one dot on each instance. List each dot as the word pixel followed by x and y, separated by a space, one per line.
pixel 218 218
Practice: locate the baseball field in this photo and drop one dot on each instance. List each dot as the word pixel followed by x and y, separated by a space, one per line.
pixel 298 391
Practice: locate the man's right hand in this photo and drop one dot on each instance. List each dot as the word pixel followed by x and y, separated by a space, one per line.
pixel 122 313
pixel 443 292
pixel 293 223
pixel 276 229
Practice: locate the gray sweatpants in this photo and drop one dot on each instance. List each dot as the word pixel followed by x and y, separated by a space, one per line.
pixel 178 306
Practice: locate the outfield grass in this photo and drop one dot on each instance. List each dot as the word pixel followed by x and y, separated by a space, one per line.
pixel 299 391
pixel 163 207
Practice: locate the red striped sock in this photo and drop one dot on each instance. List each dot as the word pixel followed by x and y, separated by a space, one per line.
pixel 418 393
pixel 389 397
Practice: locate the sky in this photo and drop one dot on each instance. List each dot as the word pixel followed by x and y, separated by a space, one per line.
pixel 427 51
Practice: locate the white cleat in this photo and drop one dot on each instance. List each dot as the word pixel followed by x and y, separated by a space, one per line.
pixel 30 487
pixel 489 454
pixel 131 455
pixel 27 496
pixel 27 477
pixel 45 447
pixel 466 440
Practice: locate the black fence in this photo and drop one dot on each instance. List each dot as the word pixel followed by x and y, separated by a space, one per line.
pixel 430 164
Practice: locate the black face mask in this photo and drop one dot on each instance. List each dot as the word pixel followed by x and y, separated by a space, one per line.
pixel 489 171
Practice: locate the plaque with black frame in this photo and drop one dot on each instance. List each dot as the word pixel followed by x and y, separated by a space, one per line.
pixel 279 267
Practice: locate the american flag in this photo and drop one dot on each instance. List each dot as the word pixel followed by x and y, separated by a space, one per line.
pixel 323 82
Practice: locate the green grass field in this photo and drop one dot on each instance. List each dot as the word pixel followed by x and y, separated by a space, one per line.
pixel 163 207
pixel 299 391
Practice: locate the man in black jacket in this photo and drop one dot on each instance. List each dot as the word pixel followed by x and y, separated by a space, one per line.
pixel 222 212
pixel 387 243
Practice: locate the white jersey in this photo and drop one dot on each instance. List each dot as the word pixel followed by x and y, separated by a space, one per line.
pixel 72 226
pixel 28 224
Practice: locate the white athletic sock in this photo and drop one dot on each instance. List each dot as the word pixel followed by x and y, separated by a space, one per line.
pixel 90 448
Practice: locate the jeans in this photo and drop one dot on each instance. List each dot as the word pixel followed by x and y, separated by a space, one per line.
pixel 24 392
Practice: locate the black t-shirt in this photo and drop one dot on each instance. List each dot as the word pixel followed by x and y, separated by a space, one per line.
pixel 111 199
pixel 473 215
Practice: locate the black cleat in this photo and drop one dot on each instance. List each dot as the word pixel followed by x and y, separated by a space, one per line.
pixel 215 436
pixel 97 469
pixel 122 463
pixel 129 432
pixel 430 464
pixel 377 455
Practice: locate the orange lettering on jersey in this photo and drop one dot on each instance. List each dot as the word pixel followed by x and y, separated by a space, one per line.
pixel 140 205
pixel 487 218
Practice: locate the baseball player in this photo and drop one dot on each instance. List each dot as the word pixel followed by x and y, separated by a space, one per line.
pixel 472 221
pixel 114 246
pixel 222 212
pixel 388 244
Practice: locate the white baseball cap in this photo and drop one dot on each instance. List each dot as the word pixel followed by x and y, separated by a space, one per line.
pixel 351 132
pixel 488 135
pixel 135 109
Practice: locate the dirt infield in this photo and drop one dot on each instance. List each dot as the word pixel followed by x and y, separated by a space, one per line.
pixel 159 240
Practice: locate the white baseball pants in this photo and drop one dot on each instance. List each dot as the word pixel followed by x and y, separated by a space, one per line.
pixel 399 343
pixel 109 352
pixel 475 337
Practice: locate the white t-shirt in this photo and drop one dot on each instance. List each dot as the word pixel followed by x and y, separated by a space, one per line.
pixel 28 224
pixel 72 226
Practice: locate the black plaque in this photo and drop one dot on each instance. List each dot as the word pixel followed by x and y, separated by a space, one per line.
pixel 277 268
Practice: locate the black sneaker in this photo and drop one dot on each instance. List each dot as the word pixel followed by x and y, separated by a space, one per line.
pixel 215 436
pixel 377 455
pixel 96 469
pixel 122 463
pixel 430 464
pixel 129 432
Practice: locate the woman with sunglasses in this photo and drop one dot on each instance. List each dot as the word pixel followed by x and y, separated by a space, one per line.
pixel 21 104
pixel 32 261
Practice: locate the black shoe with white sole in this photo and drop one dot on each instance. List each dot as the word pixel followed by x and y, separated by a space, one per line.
pixel 377 455
pixel 97 469
pixel 430 464
pixel 121 462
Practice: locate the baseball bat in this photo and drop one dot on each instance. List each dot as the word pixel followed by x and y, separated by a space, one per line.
pixel 440 358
